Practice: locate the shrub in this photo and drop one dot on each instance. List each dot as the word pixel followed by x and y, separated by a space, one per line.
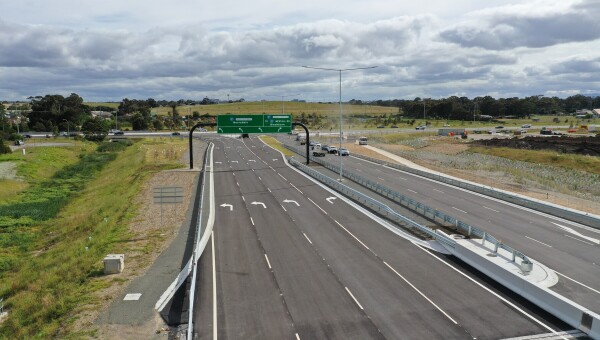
pixel 4 148
pixel 115 146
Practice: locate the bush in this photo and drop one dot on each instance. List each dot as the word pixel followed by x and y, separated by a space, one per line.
pixel 4 148
pixel 114 146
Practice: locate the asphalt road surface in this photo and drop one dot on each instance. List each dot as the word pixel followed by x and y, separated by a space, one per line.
pixel 292 260
pixel 571 249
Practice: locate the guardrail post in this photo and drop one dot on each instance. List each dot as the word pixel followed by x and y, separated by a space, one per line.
pixel 470 230
pixel 513 255
pixel 496 247
pixel 483 240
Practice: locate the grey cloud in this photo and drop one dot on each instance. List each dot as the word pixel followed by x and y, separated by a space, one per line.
pixel 534 27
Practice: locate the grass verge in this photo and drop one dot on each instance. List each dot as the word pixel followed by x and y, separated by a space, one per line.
pixel 49 265
pixel 568 161
pixel 274 143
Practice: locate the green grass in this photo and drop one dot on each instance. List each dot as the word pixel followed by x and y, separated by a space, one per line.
pixel 569 161
pixel 48 263
pixel 274 143
pixel 395 138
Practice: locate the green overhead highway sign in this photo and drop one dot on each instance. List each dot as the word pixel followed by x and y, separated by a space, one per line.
pixel 232 124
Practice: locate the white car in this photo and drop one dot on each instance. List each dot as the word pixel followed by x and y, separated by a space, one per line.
pixel 526 126
pixel 317 145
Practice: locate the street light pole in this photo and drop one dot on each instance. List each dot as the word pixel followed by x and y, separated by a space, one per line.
pixel 68 130
pixel 340 73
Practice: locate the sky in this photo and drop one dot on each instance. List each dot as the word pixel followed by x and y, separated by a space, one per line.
pixel 185 49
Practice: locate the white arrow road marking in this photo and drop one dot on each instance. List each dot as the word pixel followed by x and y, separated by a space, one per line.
pixel 275 159
pixel 224 205
pixel 218 163
pixel 251 160
pixel 576 233
pixel 261 203
pixel 233 161
pixel 330 199
pixel 291 201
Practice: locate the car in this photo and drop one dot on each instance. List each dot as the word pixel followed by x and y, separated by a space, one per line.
pixel 245 135
pixel 318 153
pixel 325 147
pixel 526 126
pixel 119 133
pixel 63 134
pixel 27 136
pixel 312 144
pixel 381 127
pixel 176 133
pixel 420 127
pixel 499 127
pixel 19 142
pixel 343 152
pixel 394 126
pixel 332 149
pixel 446 125
pixel 302 141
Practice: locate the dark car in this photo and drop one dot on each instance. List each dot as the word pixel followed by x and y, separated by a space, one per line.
pixel 394 126
pixel 245 135
pixel 121 133
pixel 27 136
pixel 325 147
pixel 381 127
pixel 499 127
pixel 175 133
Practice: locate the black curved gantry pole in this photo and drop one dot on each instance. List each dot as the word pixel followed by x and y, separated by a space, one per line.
pixel 190 140
pixel 307 141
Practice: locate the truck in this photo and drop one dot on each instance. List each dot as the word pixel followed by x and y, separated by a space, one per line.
pixel 362 140
pixel 545 131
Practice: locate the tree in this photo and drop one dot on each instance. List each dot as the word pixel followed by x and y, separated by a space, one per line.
pixel 95 129
pixel 139 122
pixel 4 148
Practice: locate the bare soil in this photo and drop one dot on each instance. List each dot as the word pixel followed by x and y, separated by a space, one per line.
pixel 578 145
pixel 8 170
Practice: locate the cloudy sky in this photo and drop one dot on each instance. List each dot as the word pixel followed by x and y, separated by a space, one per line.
pixel 112 49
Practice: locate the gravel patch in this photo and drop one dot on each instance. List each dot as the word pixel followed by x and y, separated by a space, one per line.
pixel 8 170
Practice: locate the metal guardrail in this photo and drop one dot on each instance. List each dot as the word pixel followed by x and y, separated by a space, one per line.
pixel 575 216
pixel 372 203
pixel 1 305
pixel 420 208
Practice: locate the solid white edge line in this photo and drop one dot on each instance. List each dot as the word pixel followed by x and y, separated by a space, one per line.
pixel 421 293
pixel 309 241
pixel 438 191
pixel 414 192
pixel 269 190
pixel 243 199
pixel 284 209
pixel 268 263
pixel 586 286
pixel 214 273
pixel 531 238
pixel 282 177
pixel 251 220
pixel 586 242
pixel 353 298
pixel 297 336
pixel 491 292
pixel 297 188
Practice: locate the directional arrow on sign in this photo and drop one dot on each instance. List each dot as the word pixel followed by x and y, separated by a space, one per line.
pixel 260 129
pixel 330 199
pixel 261 203
pixel 241 130
pixel 225 205
pixel 220 130
pixel 278 129
pixel 291 201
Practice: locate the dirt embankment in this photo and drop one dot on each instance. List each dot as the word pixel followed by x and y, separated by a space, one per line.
pixel 578 145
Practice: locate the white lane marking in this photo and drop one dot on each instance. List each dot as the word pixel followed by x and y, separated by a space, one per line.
pixel 268 263
pixel 269 190
pixel 586 286
pixel 531 238
pixel 251 220
pixel 381 179
pixel 412 191
pixel 359 170
pixel 455 208
pixel 297 189
pixel 356 238
pixel 259 203
pixel 282 177
pixel 297 336
pixel 214 273
pixel 313 202
pixel 243 199
pixel 421 293
pixel 490 291
pixel 488 208
pixel 132 297
pixel 238 184
pixel 402 178
pixel 438 191
pixel 576 233
pixel 260 179
pixel 330 199
pixel 353 298
pixel 225 205
pixel 309 241
pixel 233 174
pixel 291 201
pixel 586 242
pixel 284 209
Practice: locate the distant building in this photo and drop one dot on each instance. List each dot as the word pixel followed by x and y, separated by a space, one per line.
pixel 102 114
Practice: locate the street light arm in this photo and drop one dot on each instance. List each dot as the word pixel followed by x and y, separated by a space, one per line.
pixel 339 70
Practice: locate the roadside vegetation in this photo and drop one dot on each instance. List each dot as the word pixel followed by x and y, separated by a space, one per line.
pixel 55 233
pixel 274 143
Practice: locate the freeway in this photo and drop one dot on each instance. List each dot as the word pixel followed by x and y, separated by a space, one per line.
pixel 291 259
pixel 569 248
